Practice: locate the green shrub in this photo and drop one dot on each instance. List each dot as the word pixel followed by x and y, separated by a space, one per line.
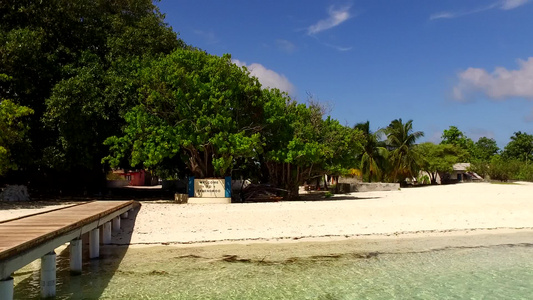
pixel 423 179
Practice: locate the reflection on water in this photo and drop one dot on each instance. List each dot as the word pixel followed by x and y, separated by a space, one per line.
pixel 495 272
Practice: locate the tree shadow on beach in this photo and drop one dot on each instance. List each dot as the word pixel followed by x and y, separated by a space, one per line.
pixel 342 198
pixel 96 273
pixel 339 197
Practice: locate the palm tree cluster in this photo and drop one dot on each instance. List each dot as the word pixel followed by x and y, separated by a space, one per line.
pixel 388 154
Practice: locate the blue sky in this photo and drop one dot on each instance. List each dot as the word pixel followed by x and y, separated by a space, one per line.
pixel 448 62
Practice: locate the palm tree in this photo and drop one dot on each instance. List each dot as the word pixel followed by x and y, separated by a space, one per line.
pixel 373 153
pixel 400 141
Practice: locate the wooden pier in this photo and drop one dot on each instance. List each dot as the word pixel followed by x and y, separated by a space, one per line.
pixel 25 239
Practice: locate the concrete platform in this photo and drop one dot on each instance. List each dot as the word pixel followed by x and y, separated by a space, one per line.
pixel 221 200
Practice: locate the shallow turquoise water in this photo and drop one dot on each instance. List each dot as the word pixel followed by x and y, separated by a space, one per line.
pixel 495 272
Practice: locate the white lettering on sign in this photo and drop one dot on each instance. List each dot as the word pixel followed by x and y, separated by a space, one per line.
pixel 209 188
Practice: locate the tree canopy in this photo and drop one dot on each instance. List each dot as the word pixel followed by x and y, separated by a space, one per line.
pixel 12 133
pixel 401 140
pixel 439 159
pixel 520 147
pixel 193 104
pixel 73 63
pixel 372 157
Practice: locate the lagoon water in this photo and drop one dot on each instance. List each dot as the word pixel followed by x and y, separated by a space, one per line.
pixel 297 271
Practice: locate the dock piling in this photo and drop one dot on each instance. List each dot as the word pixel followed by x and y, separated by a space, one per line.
pixel 76 256
pixel 106 235
pixel 116 224
pixel 6 288
pixel 22 244
pixel 94 243
pixel 48 275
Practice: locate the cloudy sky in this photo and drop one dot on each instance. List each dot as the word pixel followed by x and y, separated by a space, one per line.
pixel 440 63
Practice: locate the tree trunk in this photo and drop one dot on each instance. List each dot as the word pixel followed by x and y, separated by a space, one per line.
pixel 292 185
pixel 433 177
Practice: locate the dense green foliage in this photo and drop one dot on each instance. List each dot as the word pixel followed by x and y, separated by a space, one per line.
pixel 12 133
pixel 456 137
pixel 373 155
pixel 401 140
pixel 439 159
pixel 196 105
pixel 311 146
pixel 520 147
pixel 73 63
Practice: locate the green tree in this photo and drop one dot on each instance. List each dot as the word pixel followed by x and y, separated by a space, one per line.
pixel 71 62
pixel 456 137
pixel 373 153
pixel 343 144
pixel 12 132
pixel 439 159
pixel 401 140
pixel 304 146
pixel 484 149
pixel 503 169
pixel 198 106
pixel 520 147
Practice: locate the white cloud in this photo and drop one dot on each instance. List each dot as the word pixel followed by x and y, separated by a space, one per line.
pixel 336 17
pixel 502 4
pixel 443 15
pixel 286 46
pixel 339 48
pixel 511 4
pixel 267 77
pixel 499 84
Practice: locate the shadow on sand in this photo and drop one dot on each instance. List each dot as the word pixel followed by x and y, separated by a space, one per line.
pixel 96 274
pixel 320 197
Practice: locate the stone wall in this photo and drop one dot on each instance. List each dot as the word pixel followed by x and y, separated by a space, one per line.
pixel 357 186
pixel 349 180
pixel 374 186
pixel 15 193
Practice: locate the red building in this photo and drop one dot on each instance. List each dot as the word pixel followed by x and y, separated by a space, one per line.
pixel 138 178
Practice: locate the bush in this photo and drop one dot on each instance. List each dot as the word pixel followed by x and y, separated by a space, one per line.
pixel 503 169
pixel 525 173
pixel 113 176
pixel 423 180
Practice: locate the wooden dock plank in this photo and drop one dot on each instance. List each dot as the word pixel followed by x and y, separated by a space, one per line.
pixel 24 233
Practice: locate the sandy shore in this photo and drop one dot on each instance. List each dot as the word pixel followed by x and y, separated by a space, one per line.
pixel 410 212
pixel 462 207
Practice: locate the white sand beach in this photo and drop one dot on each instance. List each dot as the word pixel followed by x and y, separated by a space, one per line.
pixel 426 210
pixel 460 209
